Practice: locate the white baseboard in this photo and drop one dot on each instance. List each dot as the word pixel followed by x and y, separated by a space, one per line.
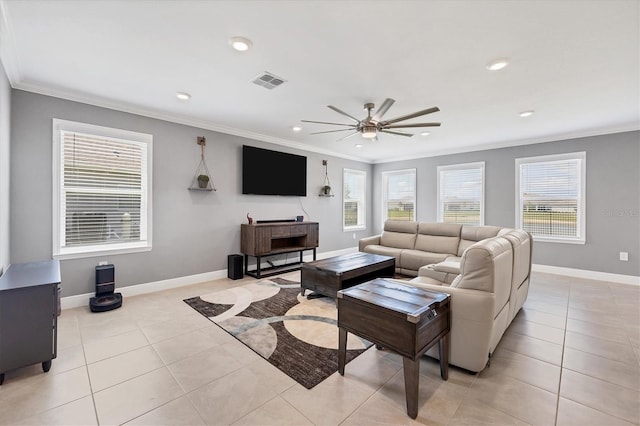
pixel 592 275
pixel 70 302
pixel 79 300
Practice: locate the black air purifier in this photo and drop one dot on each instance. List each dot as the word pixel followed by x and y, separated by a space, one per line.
pixel 105 299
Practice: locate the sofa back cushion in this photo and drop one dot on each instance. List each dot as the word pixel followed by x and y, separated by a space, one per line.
pixel 399 234
pixel 521 243
pixel 487 266
pixel 438 237
pixel 472 234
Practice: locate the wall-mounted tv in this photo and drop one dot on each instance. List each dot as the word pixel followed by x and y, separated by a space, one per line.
pixel 266 172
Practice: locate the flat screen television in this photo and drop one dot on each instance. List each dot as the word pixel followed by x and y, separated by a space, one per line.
pixel 266 172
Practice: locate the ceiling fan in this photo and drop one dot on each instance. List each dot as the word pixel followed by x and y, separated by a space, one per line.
pixel 372 124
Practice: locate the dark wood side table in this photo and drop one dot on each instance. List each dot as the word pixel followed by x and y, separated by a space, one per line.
pixel 406 319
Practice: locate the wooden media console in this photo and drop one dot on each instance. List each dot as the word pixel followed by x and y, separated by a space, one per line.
pixel 268 239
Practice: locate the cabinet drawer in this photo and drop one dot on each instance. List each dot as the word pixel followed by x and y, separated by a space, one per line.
pixel 280 231
pixel 298 230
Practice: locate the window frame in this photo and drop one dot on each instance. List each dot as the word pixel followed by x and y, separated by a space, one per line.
pixel 362 200
pixel 581 215
pixel 385 191
pixel 59 206
pixel 463 166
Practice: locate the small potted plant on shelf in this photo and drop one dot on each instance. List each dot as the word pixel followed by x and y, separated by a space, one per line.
pixel 203 181
pixel 326 190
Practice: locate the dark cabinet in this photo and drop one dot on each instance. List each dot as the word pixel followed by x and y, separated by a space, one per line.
pixel 267 239
pixel 28 315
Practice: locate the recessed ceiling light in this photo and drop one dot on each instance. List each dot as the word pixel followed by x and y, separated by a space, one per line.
pixel 183 96
pixel 527 113
pixel 358 145
pixel 296 128
pixel 241 44
pixel 497 64
pixel 425 133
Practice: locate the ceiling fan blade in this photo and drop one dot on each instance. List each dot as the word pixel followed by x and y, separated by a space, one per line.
pixel 383 108
pixel 339 111
pixel 397 133
pixel 408 116
pixel 348 136
pixel 326 122
pixel 400 126
pixel 330 131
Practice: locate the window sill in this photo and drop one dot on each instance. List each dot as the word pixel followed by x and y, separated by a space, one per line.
pixel 94 252
pixel 354 228
pixel 557 240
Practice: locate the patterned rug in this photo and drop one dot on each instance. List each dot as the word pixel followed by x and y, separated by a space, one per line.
pixel 298 336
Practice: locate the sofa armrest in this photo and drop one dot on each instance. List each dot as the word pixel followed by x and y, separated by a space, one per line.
pixel 448 267
pixel 368 241
pixel 445 272
pixel 472 324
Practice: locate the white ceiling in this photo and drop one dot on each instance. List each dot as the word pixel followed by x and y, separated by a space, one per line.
pixel 576 63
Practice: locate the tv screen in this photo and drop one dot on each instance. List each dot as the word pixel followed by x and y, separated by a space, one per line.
pixel 266 172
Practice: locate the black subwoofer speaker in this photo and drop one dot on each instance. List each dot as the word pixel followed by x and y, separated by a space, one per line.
pixel 234 266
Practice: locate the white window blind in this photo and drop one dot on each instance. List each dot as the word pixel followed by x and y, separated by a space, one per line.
pixel 353 199
pixel 399 195
pixel 550 197
pixel 102 190
pixel 461 193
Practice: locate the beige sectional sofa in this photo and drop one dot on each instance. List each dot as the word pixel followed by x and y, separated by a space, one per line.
pixel 485 269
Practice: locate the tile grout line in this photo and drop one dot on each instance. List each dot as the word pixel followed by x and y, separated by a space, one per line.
pixel 564 342
pixel 86 368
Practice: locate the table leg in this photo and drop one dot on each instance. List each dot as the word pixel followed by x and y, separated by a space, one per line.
pixel 411 384
pixel 444 346
pixel 258 266
pixel 342 349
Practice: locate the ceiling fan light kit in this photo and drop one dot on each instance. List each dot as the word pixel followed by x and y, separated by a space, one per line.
pixel 371 125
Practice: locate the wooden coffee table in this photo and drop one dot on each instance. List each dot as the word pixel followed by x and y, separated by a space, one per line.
pixel 327 276
pixel 401 317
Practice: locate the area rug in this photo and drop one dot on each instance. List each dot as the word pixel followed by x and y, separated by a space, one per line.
pixel 296 335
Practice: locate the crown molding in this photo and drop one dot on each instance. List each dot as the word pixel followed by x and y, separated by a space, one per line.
pixel 520 142
pixel 173 118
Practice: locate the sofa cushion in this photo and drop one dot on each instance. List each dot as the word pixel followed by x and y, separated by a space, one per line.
pixel 414 259
pixel 472 234
pixel 487 266
pixel 399 234
pixel 438 237
pixel 387 251
pixel 521 243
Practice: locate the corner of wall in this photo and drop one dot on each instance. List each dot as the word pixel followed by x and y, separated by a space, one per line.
pixel 5 153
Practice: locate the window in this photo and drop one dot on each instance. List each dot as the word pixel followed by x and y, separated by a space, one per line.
pixel 461 194
pixel 101 190
pixel 399 195
pixel 353 200
pixel 550 197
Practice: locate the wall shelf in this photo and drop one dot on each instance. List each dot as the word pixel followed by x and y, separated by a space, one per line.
pixel 202 180
pixel 325 190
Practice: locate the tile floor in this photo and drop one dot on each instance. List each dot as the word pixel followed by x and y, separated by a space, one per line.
pixel 571 356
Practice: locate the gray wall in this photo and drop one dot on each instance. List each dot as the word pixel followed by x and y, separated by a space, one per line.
pixel 613 197
pixel 5 133
pixel 193 231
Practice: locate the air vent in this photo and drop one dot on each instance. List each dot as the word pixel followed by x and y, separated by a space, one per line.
pixel 268 80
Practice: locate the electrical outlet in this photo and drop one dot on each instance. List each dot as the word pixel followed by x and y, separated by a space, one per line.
pixel 354 235
pixel 624 256
pixel 103 262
